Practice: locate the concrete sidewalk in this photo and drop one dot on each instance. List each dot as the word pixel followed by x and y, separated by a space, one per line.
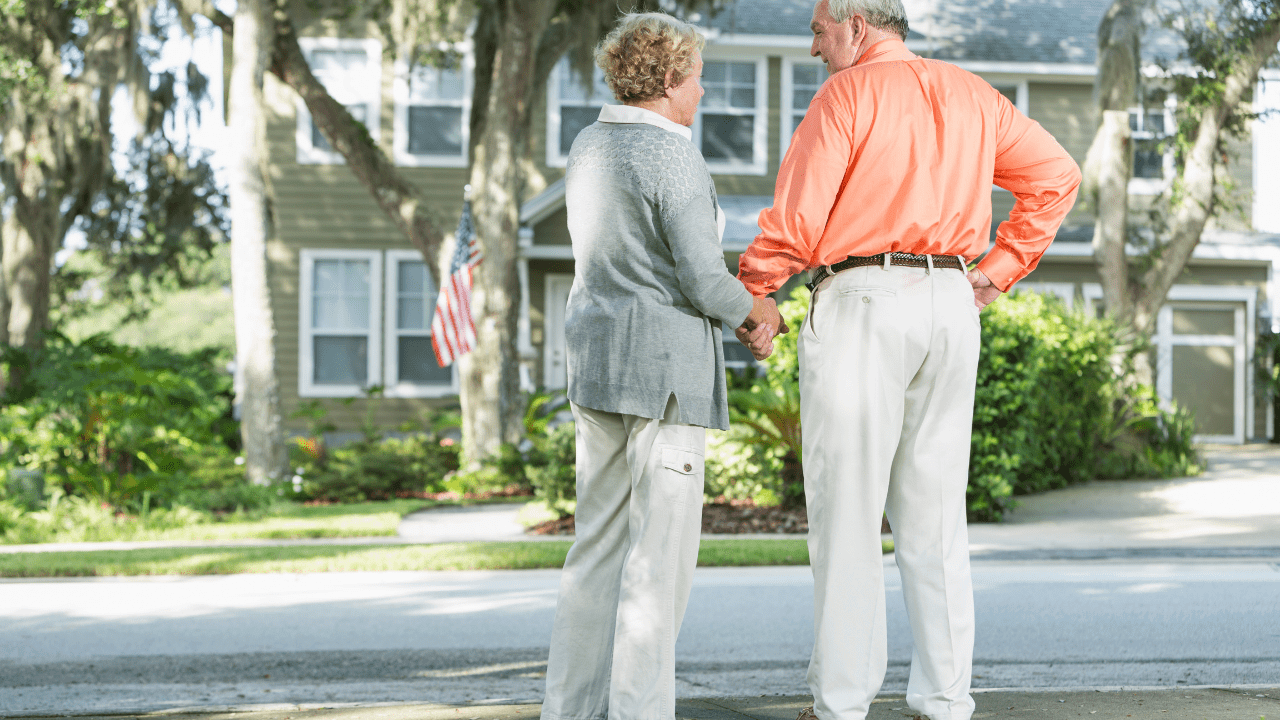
pixel 1243 703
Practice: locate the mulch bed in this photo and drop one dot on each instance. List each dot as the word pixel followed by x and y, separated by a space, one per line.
pixel 732 517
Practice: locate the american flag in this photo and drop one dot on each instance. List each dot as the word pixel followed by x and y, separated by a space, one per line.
pixel 453 330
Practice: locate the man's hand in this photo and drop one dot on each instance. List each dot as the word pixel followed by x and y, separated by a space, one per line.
pixel 984 293
pixel 761 326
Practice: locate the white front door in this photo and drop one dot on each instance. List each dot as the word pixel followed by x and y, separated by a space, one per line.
pixel 555 371
pixel 1201 363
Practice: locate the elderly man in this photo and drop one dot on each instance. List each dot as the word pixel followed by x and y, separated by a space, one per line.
pixel 885 196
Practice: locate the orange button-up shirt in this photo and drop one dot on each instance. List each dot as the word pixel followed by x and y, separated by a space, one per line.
pixel 898 153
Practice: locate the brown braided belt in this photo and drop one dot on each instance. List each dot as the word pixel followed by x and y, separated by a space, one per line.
pixel 951 262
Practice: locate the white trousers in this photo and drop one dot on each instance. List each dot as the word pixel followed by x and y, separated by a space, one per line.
pixel 888 362
pixel 627 577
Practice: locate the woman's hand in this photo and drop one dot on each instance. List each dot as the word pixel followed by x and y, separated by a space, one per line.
pixel 762 325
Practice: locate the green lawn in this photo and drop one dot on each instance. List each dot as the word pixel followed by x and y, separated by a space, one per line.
pixel 348 558
pixel 285 521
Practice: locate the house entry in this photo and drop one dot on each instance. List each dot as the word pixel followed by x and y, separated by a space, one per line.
pixel 1202 363
pixel 555 371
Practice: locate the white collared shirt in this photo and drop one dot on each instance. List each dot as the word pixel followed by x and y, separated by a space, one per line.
pixel 624 114
pixel 633 114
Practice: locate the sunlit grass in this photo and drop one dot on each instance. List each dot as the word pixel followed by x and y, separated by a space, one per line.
pixel 353 558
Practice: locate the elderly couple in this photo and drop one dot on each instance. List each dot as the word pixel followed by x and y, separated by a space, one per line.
pixel 884 197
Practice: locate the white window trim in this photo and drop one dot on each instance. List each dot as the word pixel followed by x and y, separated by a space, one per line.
pixel 1165 340
pixel 555 157
pixel 306 362
pixel 391 371
pixel 400 118
pixel 1155 186
pixel 760 138
pixel 785 127
pixel 308 154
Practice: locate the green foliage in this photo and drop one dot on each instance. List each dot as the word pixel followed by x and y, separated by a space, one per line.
pixel 113 424
pixel 1043 402
pixel 555 479
pixel 1049 412
pixel 374 467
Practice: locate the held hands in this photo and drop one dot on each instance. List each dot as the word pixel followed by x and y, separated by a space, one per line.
pixel 984 293
pixel 761 326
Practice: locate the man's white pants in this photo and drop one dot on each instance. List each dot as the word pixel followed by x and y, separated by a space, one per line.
pixel 888 362
pixel 627 577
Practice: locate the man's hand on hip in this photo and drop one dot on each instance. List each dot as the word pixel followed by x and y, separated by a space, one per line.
pixel 761 326
pixel 984 293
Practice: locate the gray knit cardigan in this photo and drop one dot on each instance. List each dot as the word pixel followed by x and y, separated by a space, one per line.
pixel 651 288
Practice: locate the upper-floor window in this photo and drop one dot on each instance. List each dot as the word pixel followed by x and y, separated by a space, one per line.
pixel 731 124
pixel 433 113
pixel 730 127
pixel 800 82
pixel 351 70
pixel 1150 126
pixel 571 107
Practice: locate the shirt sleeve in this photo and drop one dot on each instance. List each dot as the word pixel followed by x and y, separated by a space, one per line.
pixel 1044 181
pixel 809 181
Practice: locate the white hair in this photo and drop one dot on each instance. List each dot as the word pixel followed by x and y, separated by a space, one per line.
pixel 885 14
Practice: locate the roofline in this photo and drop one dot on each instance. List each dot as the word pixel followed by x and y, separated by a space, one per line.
pixel 543 205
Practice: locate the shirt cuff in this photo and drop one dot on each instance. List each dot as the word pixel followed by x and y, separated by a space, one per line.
pixel 1002 269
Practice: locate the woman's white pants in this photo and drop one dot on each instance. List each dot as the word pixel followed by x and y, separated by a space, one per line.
pixel 627 577
pixel 888 361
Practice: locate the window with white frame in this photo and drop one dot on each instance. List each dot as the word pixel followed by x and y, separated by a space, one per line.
pixel 800 82
pixel 411 366
pixel 351 70
pixel 1017 92
pixel 731 122
pixel 340 314
pixel 571 107
pixel 1150 126
pixel 433 112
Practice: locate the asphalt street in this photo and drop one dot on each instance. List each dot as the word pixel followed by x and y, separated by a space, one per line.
pixel 136 645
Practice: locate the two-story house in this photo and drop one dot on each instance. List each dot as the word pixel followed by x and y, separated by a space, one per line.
pixel 353 299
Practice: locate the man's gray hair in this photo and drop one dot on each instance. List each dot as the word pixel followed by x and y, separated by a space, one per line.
pixel 885 14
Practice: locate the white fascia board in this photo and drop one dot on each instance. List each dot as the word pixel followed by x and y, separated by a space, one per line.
pixel 1203 251
pixel 1066 71
pixel 715 37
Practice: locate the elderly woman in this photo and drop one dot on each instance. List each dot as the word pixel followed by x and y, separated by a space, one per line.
pixel 646 374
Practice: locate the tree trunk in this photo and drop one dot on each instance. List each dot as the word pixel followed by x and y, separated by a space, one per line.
pixel 257 390
pixel 492 408
pixel 1195 203
pixel 28 260
pixel 1109 162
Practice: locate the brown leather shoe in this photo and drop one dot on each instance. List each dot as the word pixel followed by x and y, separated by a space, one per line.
pixel 807 714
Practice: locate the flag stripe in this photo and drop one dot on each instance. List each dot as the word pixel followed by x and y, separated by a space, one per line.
pixel 453 330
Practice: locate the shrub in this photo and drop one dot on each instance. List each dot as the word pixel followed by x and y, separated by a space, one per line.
pixel 1049 411
pixel 111 423
pixel 381 468
pixel 555 479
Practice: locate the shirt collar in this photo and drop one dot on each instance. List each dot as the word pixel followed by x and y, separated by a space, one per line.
pixel 633 114
pixel 886 50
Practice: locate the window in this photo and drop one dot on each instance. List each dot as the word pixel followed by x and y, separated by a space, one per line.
pixel 1150 126
pixel 800 82
pixel 730 126
pixel 571 107
pixel 411 367
pixel 351 71
pixel 433 114
pixel 1016 91
pixel 339 355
